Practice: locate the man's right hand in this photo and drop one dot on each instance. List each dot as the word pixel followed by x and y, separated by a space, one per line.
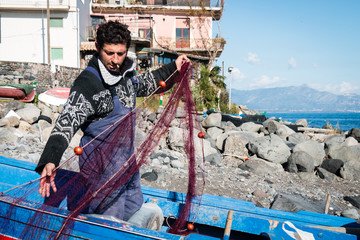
pixel 47 180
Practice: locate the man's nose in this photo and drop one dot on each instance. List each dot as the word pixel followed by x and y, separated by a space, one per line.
pixel 116 58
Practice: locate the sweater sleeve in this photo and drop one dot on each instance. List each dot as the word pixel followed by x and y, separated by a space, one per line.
pixel 149 81
pixel 76 111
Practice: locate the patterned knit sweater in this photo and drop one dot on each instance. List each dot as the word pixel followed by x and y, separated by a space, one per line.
pixel 91 100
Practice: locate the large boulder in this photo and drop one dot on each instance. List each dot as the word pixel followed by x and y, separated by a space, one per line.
pixel 260 166
pixel 302 122
pixel 244 136
pixel 351 170
pixel 8 134
pixel 346 153
pixel 297 138
pixel 300 162
pixel 271 125
pixel 212 120
pixel 271 148
pixel 284 131
pixel 29 113
pixel 250 127
pixel 234 146
pixel 176 142
pixel 313 148
pixel 214 132
pixel 332 165
pixel 355 133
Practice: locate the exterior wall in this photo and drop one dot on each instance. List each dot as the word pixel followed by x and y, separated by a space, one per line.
pixel 24 34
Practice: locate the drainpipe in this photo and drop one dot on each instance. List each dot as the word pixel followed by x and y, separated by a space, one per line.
pixel 77 36
pixel 48 30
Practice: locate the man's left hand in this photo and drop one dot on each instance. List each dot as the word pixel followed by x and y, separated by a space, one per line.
pixel 180 61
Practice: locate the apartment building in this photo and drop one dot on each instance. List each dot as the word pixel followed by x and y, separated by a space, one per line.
pixel 161 29
pixel 24 35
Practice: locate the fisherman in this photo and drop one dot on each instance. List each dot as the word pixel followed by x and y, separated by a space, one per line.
pixel 102 94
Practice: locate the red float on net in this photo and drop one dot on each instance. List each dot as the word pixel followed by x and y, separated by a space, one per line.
pixel 190 226
pixel 78 150
pixel 201 134
pixel 162 84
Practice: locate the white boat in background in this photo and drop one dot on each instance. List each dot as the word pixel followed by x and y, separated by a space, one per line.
pixel 54 96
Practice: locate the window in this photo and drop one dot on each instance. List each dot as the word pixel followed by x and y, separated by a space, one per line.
pixel 56 22
pixel 182 32
pixel 56 53
pixel 145 33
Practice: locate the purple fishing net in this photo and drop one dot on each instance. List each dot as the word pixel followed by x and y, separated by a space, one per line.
pixel 84 187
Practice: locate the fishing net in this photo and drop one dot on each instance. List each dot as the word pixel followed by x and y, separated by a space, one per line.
pixel 77 190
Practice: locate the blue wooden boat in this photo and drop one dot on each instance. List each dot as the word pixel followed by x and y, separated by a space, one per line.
pixel 248 221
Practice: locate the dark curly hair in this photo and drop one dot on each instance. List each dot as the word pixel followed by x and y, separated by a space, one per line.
pixel 113 32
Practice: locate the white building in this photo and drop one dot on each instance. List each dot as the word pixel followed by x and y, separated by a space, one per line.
pixel 23 30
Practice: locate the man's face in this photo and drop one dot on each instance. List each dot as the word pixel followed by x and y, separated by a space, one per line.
pixel 112 55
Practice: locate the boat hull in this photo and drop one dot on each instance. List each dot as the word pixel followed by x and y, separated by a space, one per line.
pixel 249 221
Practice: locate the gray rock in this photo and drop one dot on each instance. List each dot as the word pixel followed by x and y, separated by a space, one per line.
pixel 180 113
pixel 29 114
pixel 297 138
pixel 350 141
pixel 271 125
pixel 212 120
pixel 235 146
pixel 25 126
pixel 332 165
pixel 351 170
pixel 284 131
pixel 350 213
pixel 139 137
pixel 151 117
pixel 7 134
pixel 354 200
pixel 11 121
pixel 302 122
pixel 295 203
pixel 260 166
pixel 214 159
pixel 244 136
pixel 214 132
pixel 15 105
pixel 250 127
pixel 324 174
pixel 346 153
pixel 355 133
pixel 259 194
pixel 313 148
pixel 271 148
pixel 150 176
pixel 300 162
pixel 176 164
pixel 45 110
pixel 175 139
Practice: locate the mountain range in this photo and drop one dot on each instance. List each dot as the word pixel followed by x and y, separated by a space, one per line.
pixel 295 98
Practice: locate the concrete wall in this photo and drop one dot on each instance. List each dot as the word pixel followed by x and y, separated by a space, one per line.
pixel 25 72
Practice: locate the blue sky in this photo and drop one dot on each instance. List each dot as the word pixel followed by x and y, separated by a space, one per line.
pixel 278 43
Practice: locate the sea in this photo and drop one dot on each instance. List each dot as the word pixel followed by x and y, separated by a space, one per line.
pixel 339 120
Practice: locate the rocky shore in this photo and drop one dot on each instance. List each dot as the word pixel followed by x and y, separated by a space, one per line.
pixel 268 163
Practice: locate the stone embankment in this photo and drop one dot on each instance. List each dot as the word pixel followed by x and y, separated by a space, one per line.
pixel 267 163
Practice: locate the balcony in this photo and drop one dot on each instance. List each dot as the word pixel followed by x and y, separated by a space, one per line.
pixel 212 7
pixel 193 3
pixel 60 5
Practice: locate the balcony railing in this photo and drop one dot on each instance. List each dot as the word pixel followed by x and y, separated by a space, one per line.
pixel 34 4
pixel 179 3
